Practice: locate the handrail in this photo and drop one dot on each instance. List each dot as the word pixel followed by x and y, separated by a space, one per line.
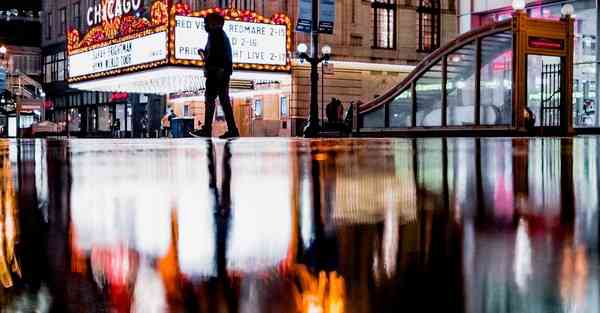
pixel 431 60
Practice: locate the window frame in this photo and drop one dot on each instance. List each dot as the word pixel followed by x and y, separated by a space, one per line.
pixel 62 25
pixel 49 23
pixel 431 9
pixel 385 6
pixel 76 15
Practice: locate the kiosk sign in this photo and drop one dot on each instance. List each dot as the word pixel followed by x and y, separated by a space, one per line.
pixel 252 43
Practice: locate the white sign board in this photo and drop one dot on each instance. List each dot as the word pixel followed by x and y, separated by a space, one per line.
pixel 133 52
pixel 251 43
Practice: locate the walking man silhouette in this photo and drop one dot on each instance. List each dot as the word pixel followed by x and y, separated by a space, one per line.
pixel 218 67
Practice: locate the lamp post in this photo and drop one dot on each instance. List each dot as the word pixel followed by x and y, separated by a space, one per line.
pixel 312 129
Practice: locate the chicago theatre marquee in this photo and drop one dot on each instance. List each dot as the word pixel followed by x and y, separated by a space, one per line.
pixel 157 53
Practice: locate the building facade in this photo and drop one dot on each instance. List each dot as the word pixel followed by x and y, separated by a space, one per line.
pixel 20 63
pixel 586 95
pixel 371 53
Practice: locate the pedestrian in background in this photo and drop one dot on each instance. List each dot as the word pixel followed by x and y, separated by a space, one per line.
pixel 166 125
pixel 144 124
pixel 218 67
pixel 116 128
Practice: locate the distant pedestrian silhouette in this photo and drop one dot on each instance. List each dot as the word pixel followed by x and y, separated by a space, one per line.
pixel 218 67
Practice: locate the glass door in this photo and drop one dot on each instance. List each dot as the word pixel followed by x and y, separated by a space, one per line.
pixel 544 90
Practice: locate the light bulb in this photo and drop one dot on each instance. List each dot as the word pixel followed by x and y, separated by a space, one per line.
pixel 518 5
pixel 302 48
pixel 326 50
pixel 567 10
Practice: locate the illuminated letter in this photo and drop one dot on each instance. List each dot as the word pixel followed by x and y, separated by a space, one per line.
pixel 90 15
pixel 98 14
pixel 126 6
pixel 136 4
pixel 118 8
pixel 104 14
pixel 109 9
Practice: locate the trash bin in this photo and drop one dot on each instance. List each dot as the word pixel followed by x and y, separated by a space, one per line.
pixel 181 126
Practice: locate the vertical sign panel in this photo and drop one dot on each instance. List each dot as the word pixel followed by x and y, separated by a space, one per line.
pixel 304 16
pixel 327 16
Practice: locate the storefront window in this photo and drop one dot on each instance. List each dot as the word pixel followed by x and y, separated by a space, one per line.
pixel 104 118
pixel 74 120
pixel 283 106
pixel 120 115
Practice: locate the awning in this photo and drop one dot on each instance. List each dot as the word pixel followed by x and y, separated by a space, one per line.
pixel 166 80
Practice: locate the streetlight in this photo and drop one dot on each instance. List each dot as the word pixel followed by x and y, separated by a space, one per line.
pixel 3 51
pixel 312 129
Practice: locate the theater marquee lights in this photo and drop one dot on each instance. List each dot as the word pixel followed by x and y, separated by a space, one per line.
pixel 125 39
pixel 258 43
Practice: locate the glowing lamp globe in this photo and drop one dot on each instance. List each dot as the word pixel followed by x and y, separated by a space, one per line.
pixel 302 48
pixel 518 5
pixel 567 10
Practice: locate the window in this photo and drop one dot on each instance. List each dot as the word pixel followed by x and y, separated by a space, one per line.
pixel 76 14
pixel 258 109
pixel 60 75
pixel 49 23
pixel 384 23
pixel 428 25
pixel 28 64
pixel 63 22
pixel 283 106
pixel 239 4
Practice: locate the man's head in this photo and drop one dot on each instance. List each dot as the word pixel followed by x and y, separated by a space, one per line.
pixel 213 21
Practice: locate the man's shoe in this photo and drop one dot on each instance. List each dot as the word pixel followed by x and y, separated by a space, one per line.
pixel 201 133
pixel 230 134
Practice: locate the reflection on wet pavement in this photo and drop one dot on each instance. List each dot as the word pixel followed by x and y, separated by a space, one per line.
pixel 330 226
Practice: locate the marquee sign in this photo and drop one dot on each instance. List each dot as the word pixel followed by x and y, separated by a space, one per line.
pixel 258 43
pixel 251 43
pixel 126 41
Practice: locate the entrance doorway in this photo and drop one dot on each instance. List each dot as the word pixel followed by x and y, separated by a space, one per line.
pixel 544 90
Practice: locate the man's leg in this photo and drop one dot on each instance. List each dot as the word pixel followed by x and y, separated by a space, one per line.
pixel 226 105
pixel 210 97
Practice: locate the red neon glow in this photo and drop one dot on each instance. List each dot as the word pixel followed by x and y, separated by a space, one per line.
pixel 119 96
pixel 502 62
pixel 545 43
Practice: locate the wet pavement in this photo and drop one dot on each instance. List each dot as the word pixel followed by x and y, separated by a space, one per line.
pixel 330 226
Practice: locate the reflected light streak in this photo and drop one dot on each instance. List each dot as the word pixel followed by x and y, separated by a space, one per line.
pixel 522 263
pixel 261 224
pixel 149 292
pixel 391 237
pixel 574 278
pixel 325 293
pixel 9 264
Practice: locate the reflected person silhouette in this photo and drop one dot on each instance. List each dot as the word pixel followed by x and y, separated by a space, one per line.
pixel 222 214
